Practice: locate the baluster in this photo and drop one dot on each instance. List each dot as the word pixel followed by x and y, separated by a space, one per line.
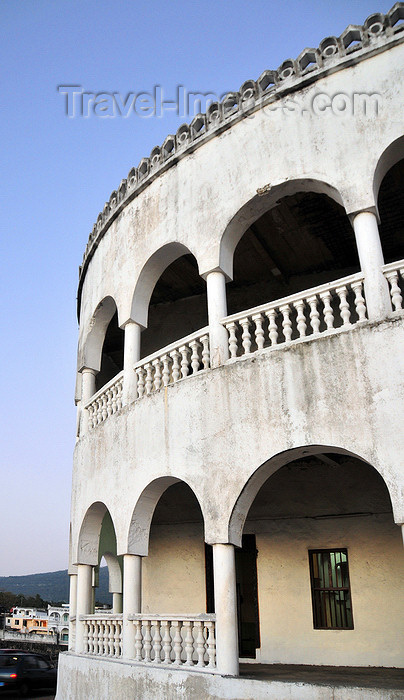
pixel 157 374
pixel 105 625
pixel 194 345
pixel 211 644
pixel 157 642
pixel 166 641
pixel 95 638
pixel 301 318
pixel 138 640
pixel 176 365
pixel 177 624
pixel 189 642
pixel 246 336
pixel 140 381
pixel 395 291
pixel 90 410
pixel 328 312
pixel 109 394
pixel 104 410
pixel 200 642
pixel 272 328
pixel 111 637
pixel 99 410
pixel 231 329
pixel 314 314
pixel 184 350
pixel 360 305
pixel 119 394
pixel 344 306
pixel 86 637
pixel 149 377
pixel 166 369
pixel 259 331
pixel 90 638
pixel 117 638
pixel 205 351
pixel 147 640
pixel 286 322
pixel 113 399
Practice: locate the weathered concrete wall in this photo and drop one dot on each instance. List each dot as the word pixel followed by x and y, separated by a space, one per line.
pixel 215 429
pixel 80 678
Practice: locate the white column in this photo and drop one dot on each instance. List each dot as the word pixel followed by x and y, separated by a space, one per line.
pixel 132 600
pixel 224 577
pixel 217 309
pixel 117 603
pixel 72 609
pixel 87 391
pixel 84 595
pixel 131 355
pixel 371 261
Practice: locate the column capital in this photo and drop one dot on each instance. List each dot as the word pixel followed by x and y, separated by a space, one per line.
pixel 369 210
pixel 206 274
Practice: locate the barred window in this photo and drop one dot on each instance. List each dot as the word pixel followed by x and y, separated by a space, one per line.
pixel 330 590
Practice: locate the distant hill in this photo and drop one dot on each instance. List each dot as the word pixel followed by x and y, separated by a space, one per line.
pixel 52 586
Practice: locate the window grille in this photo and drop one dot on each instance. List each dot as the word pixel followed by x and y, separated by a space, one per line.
pixel 330 589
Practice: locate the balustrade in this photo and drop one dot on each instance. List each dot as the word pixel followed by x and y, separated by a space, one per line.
pixel 105 402
pixel 394 273
pixel 176 361
pixel 174 640
pixel 102 635
pixel 312 312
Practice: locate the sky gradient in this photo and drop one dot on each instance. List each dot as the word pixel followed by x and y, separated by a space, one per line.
pixel 57 172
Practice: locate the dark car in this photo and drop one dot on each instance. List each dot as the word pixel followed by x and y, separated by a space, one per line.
pixel 24 672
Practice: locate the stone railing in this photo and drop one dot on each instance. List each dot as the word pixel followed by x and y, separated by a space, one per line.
pixel 394 274
pixel 105 402
pixel 176 361
pixel 102 634
pixel 311 312
pixel 355 42
pixel 175 640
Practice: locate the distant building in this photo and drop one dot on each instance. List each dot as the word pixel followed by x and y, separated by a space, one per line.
pixel 58 622
pixel 27 621
pixel 240 392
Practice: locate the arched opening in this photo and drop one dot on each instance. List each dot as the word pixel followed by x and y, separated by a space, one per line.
pixel 391 212
pixel 302 240
pixel 111 354
pixel 174 570
pixel 318 574
pixel 177 305
pixel 97 547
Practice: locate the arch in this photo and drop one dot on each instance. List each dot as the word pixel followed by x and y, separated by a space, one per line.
pixel 262 202
pixel 139 528
pixel 88 545
pixel 114 572
pixel 264 471
pixel 390 156
pixel 91 350
pixel 149 275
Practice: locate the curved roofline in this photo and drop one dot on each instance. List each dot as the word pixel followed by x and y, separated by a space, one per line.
pixel 356 43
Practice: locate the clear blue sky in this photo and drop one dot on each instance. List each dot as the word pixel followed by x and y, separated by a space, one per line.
pixel 56 175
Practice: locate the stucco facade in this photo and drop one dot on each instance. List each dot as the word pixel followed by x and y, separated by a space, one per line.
pixel 240 387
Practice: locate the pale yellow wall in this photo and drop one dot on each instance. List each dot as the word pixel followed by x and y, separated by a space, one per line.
pixel 375 557
pixel 174 571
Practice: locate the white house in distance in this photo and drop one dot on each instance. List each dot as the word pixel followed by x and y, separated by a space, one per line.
pixel 239 457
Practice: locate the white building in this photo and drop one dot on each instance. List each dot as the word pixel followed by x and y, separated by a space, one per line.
pixel 58 622
pixel 239 460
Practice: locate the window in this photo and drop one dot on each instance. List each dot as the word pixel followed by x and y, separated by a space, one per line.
pixel 330 591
